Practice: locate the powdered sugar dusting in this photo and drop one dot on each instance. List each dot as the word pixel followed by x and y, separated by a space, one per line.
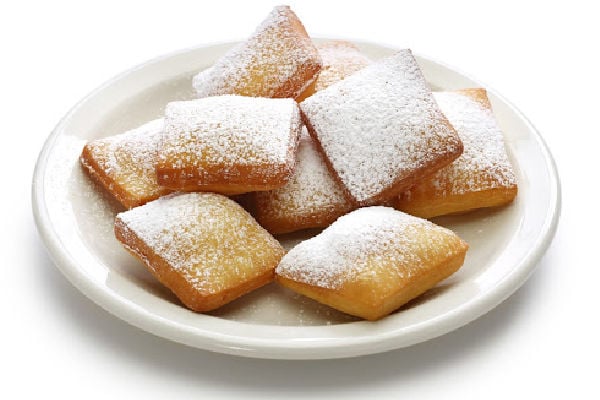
pixel 340 60
pixel 278 60
pixel 130 158
pixel 380 125
pixel 312 190
pixel 226 131
pixel 206 237
pixel 364 240
pixel 484 163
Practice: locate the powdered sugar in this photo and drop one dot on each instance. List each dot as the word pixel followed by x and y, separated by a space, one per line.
pixel 340 60
pixel 278 60
pixel 484 163
pixel 380 127
pixel 228 131
pixel 130 158
pixel 206 237
pixel 311 191
pixel 363 240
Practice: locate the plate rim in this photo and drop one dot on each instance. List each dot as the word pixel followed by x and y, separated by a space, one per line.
pixel 291 348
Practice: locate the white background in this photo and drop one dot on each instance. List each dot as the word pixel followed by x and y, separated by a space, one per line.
pixel 542 341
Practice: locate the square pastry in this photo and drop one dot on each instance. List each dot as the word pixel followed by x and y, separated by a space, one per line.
pixel 228 144
pixel 481 177
pixel 204 247
pixel 278 60
pixel 371 261
pixel 311 199
pixel 381 129
pixel 125 164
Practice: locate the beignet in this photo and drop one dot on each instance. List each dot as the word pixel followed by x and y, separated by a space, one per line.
pixel 371 261
pixel 481 177
pixel 278 60
pixel 204 247
pixel 228 144
pixel 125 164
pixel 381 130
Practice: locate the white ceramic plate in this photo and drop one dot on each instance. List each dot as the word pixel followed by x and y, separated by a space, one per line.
pixel 76 223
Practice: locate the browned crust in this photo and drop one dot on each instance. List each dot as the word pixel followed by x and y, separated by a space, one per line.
pixel 124 197
pixel 477 94
pixel 191 297
pixel 422 283
pixel 231 180
pixel 308 71
pixel 278 225
pixel 352 299
pixel 246 180
pixel 400 184
pixel 239 179
pixel 425 206
pixel 305 73
pixel 309 91
pixel 428 169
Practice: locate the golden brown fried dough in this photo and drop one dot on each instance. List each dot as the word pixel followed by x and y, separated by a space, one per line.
pixel 481 177
pixel 340 60
pixel 381 130
pixel 125 164
pixel 202 246
pixel 370 262
pixel 278 60
pixel 228 144
pixel 311 199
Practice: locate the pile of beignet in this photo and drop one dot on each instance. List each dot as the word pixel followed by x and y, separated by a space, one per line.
pixel 305 136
